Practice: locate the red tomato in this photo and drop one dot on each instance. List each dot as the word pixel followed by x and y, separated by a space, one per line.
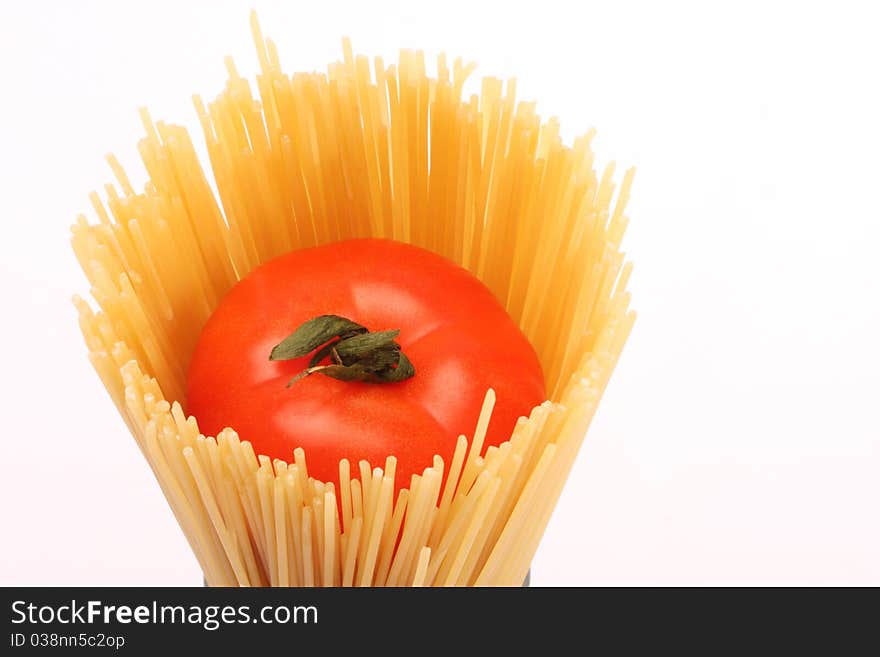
pixel 458 337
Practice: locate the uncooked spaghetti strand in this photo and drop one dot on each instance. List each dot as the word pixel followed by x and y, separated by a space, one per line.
pixel 351 551
pixel 295 508
pixel 382 505
pixel 307 555
pixel 248 468
pixel 370 140
pixel 372 482
pixel 389 538
pixel 422 567
pixel 449 488
pixel 281 516
pixel 345 494
pixel 366 484
pixel 431 491
pixel 318 537
pixel 423 534
pixel 357 504
pixel 329 577
pixel 417 513
pixel 265 492
pixel 299 458
pixel 469 474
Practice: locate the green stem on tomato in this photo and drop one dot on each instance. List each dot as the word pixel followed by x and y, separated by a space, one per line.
pixel 355 353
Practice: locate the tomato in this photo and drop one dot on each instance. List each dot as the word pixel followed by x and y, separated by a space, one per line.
pixel 457 336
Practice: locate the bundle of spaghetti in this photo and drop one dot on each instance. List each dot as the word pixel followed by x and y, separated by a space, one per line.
pixel 363 150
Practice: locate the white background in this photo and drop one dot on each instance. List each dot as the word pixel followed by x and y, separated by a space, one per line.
pixel 738 441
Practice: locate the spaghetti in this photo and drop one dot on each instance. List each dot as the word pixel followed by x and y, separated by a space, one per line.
pixel 363 150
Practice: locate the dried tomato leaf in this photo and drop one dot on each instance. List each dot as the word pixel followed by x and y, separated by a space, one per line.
pixel 354 348
pixel 355 353
pixel 312 334
pixel 404 370
pixel 322 353
pixel 355 372
pixel 379 359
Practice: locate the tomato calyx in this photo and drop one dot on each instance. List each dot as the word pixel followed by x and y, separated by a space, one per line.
pixel 355 354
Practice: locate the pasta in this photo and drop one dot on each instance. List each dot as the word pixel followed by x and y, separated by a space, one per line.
pixel 367 149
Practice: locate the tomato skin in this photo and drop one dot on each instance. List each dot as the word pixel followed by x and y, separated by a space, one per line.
pixel 457 335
